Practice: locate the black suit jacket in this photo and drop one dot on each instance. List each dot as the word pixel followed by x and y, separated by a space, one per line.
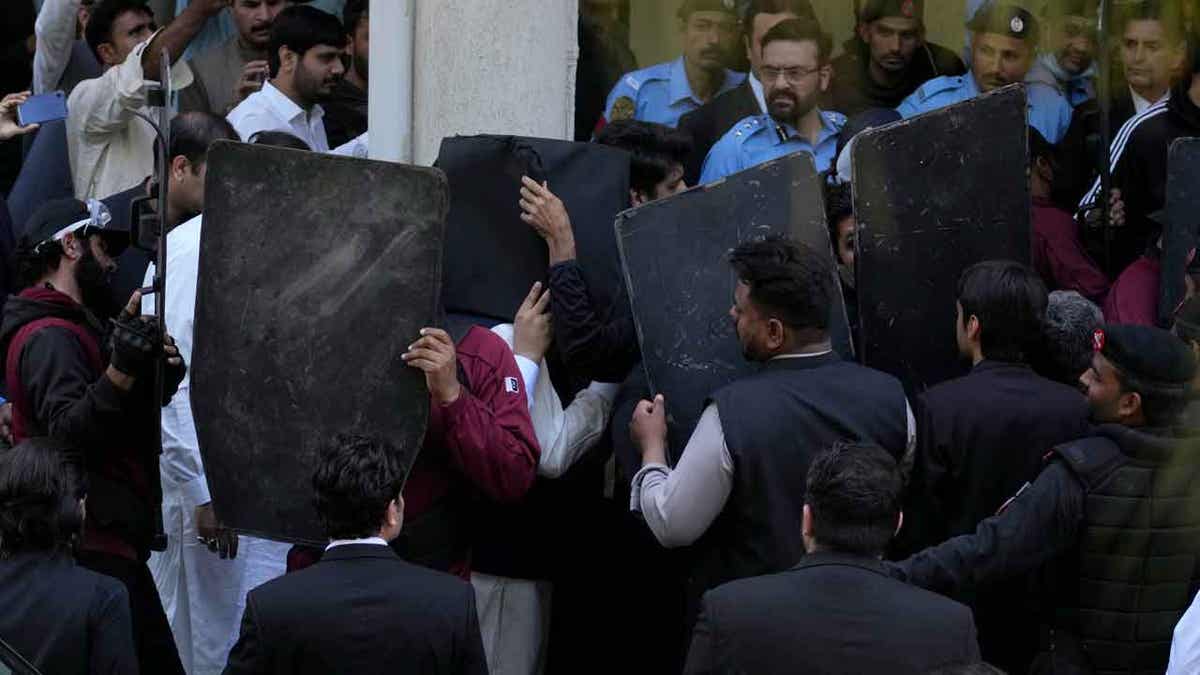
pixel 361 609
pixel 65 619
pixel 832 613
pixel 708 123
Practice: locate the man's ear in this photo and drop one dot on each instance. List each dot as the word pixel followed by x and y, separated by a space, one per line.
pixel 776 334
pixel 806 522
pixel 637 197
pixel 72 246
pixel 826 75
pixel 180 166
pixel 287 60
pixel 899 523
pixel 862 30
pixel 108 54
pixel 1130 404
pixel 973 328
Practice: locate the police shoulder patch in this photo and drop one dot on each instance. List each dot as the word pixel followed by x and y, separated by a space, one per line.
pixel 622 109
pixel 938 85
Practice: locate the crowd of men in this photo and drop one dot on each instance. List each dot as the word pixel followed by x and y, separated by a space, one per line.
pixel 1040 514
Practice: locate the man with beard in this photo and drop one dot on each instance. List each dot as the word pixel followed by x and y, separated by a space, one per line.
pixel 738 491
pixel 1068 62
pixel 1003 38
pixel 226 74
pixel 664 92
pixel 1110 520
pixel 305 59
pixel 795 72
pixel 346 108
pixel 73 378
pixel 888 58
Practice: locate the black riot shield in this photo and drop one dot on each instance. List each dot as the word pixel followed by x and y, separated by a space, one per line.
pixel 304 304
pixel 492 257
pixel 674 255
pixel 1181 226
pixel 932 196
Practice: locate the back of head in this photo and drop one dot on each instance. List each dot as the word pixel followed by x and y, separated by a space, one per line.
pixel 40 489
pixel 853 493
pixel 1071 321
pixel 193 132
pixel 1009 299
pixel 102 17
pixel 1040 148
pixel 788 279
pixel 356 478
pixel 36 255
pixel 655 150
pixel 839 205
pixel 300 28
pixel 279 139
pixel 803 29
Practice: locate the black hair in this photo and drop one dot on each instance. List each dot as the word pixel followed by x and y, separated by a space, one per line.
pixel 193 132
pixel 801 8
pixel 854 491
pixel 300 28
pixel 1162 406
pixel 804 29
pixel 1009 299
pixel 356 478
pixel 353 12
pixel 655 150
pixel 279 139
pixel 839 205
pixel 1169 13
pixel 40 489
pixel 1070 322
pixel 103 15
pixel 787 278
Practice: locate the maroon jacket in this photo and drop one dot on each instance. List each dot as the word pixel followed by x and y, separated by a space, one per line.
pixel 1059 256
pixel 1134 296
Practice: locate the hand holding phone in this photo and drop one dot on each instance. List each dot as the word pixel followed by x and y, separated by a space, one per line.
pixel 9 125
pixel 42 108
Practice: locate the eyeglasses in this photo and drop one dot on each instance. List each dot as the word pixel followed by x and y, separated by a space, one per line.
pixel 792 75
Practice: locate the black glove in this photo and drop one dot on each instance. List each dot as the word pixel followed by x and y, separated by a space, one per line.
pixel 136 345
pixel 172 378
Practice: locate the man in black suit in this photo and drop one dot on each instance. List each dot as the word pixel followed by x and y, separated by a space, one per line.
pixel 708 123
pixel 838 611
pixel 361 609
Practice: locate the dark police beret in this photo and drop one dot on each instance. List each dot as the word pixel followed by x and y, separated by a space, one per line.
pixel 690 6
pixel 1005 19
pixel 1152 355
pixel 873 10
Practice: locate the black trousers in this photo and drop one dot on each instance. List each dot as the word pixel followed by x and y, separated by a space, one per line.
pixel 152 638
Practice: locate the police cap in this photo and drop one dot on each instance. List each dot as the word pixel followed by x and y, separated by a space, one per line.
pixel 1152 355
pixel 691 6
pixel 873 10
pixel 1006 19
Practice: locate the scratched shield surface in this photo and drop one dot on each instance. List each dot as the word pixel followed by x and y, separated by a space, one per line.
pixel 316 272
pixel 673 253
pixel 933 195
pixel 1182 229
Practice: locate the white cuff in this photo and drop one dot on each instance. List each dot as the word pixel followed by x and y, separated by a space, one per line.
pixel 529 374
pixel 195 491
pixel 605 390
pixel 635 492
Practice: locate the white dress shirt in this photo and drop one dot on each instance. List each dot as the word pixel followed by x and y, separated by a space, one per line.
pixel 757 87
pixel 1185 647
pixel 680 504
pixel 375 541
pixel 111 149
pixel 269 109
pixel 1141 104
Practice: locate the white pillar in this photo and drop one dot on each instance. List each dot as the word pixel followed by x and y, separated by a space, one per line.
pixel 491 66
pixel 390 99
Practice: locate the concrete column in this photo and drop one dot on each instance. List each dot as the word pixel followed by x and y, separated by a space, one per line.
pixel 492 66
pixel 389 102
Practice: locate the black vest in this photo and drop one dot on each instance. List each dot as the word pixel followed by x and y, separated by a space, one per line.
pixel 774 423
pixel 1139 547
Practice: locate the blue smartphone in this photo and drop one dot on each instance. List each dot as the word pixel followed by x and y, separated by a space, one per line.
pixel 42 108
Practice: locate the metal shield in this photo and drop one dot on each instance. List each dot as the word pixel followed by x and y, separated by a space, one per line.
pixel 316 273
pixel 674 253
pixel 1182 227
pixel 492 257
pixel 933 195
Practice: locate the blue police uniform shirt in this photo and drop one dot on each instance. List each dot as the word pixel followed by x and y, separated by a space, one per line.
pixel 757 139
pixel 662 93
pixel 1049 112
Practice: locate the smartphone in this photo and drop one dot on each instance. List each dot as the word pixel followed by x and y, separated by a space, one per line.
pixel 42 108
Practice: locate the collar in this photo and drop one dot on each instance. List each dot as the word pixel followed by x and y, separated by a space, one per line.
pixel 759 94
pixel 1149 444
pixel 373 541
pixel 1140 104
pixel 285 107
pixel 828 129
pixel 811 355
pixel 803 361
pixel 987 365
pixel 825 558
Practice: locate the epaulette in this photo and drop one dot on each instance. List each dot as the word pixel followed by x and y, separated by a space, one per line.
pixel 938 85
pixel 837 118
pixel 747 128
pixel 1090 459
pixel 659 71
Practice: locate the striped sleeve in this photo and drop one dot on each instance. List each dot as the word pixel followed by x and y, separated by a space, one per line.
pixel 1117 150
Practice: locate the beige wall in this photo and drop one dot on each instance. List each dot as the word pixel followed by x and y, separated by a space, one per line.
pixel 654 34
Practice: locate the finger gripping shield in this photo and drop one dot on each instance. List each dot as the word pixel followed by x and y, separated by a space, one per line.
pixel 315 274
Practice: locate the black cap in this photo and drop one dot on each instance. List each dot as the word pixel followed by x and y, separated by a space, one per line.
pixel 1005 19
pixel 873 10
pixel 690 6
pixel 1152 355
pixel 52 218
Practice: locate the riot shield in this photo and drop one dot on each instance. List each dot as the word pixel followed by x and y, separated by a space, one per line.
pixel 492 257
pixel 673 252
pixel 305 301
pixel 1182 227
pixel 933 195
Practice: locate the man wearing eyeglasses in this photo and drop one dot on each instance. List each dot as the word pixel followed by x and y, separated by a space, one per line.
pixel 795 72
pixel 1003 38
pixel 1068 62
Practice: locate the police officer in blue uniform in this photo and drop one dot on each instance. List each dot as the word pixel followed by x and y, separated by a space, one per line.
pixel 664 92
pixel 1003 41
pixel 795 72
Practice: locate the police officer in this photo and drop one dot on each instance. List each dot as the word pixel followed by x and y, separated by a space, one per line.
pixel 664 92
pixel 1121 505
pixel 795 71
pixel 1003 38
